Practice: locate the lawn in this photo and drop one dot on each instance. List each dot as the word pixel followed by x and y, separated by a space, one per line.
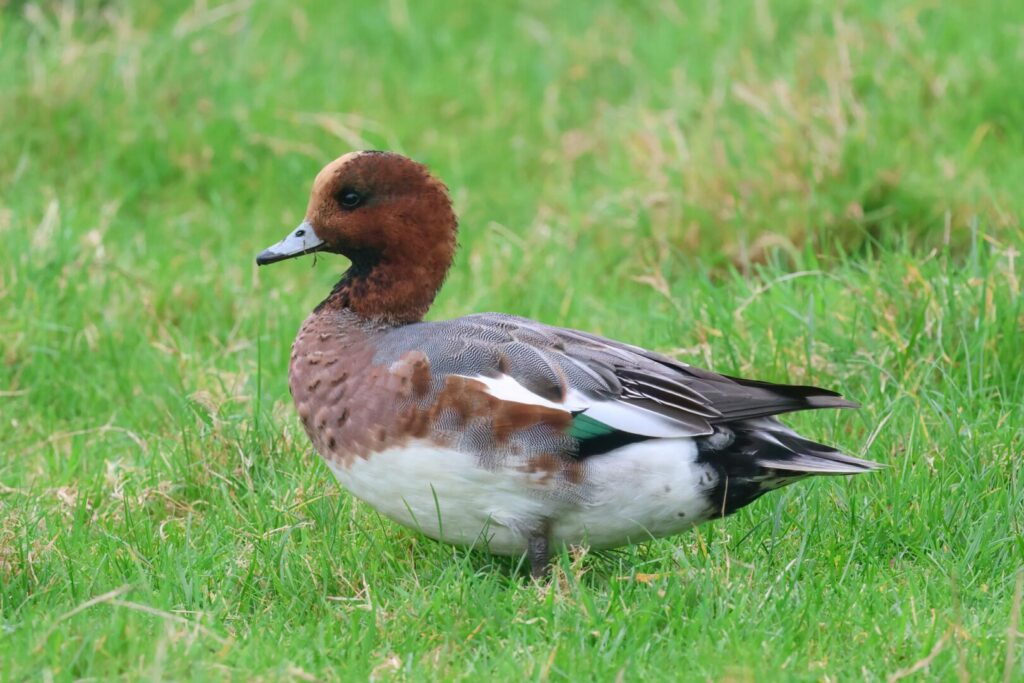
pixel 788 190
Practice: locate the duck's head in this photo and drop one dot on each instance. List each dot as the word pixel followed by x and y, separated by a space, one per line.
pixel 391 218
pixel 370 206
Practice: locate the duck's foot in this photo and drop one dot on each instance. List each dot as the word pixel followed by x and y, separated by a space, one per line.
pixel 539 555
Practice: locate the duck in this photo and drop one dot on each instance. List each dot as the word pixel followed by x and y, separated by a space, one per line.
pixel 500 432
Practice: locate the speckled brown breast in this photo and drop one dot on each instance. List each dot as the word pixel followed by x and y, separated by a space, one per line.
pixel 353 407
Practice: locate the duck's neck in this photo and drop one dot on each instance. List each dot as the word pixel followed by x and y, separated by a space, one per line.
pixel 389 292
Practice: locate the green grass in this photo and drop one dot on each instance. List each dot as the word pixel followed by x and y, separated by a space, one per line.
pixel 786 190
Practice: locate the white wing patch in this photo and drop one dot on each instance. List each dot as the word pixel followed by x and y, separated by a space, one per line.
pixel 636 420
pixel 616 414
pixel 506 388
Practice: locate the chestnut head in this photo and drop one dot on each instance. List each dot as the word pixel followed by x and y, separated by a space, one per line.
pixel 374 207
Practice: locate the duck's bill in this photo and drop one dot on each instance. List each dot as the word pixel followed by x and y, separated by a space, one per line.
pixel 300 241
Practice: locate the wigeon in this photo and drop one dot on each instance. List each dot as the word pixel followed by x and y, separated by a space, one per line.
pixel 502 432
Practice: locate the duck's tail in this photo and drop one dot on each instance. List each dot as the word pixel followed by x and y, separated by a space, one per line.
pixel 755 456
pixel 774 446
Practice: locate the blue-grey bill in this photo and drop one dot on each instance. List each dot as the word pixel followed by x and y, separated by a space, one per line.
pixel 300 241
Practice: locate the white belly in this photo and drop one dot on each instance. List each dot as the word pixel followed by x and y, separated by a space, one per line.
pixel 446 495
pixel 638 492
pixel 644 490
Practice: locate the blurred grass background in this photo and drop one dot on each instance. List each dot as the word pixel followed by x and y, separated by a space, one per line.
pixel 790 189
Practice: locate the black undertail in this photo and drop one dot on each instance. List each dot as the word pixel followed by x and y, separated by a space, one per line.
pixel 757 456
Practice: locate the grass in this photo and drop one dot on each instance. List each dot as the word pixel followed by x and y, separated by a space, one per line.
pixel 787 190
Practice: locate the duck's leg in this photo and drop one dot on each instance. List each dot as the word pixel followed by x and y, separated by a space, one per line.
pixel 539 554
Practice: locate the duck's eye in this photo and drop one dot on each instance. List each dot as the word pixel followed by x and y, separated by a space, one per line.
pixel 349 199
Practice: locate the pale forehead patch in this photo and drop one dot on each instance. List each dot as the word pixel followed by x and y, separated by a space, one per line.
pixel 330 169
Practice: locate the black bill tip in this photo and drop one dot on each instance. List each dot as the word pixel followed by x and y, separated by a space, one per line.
pixel 266 257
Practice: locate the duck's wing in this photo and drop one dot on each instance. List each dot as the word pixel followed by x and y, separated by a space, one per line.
pixel 609 387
